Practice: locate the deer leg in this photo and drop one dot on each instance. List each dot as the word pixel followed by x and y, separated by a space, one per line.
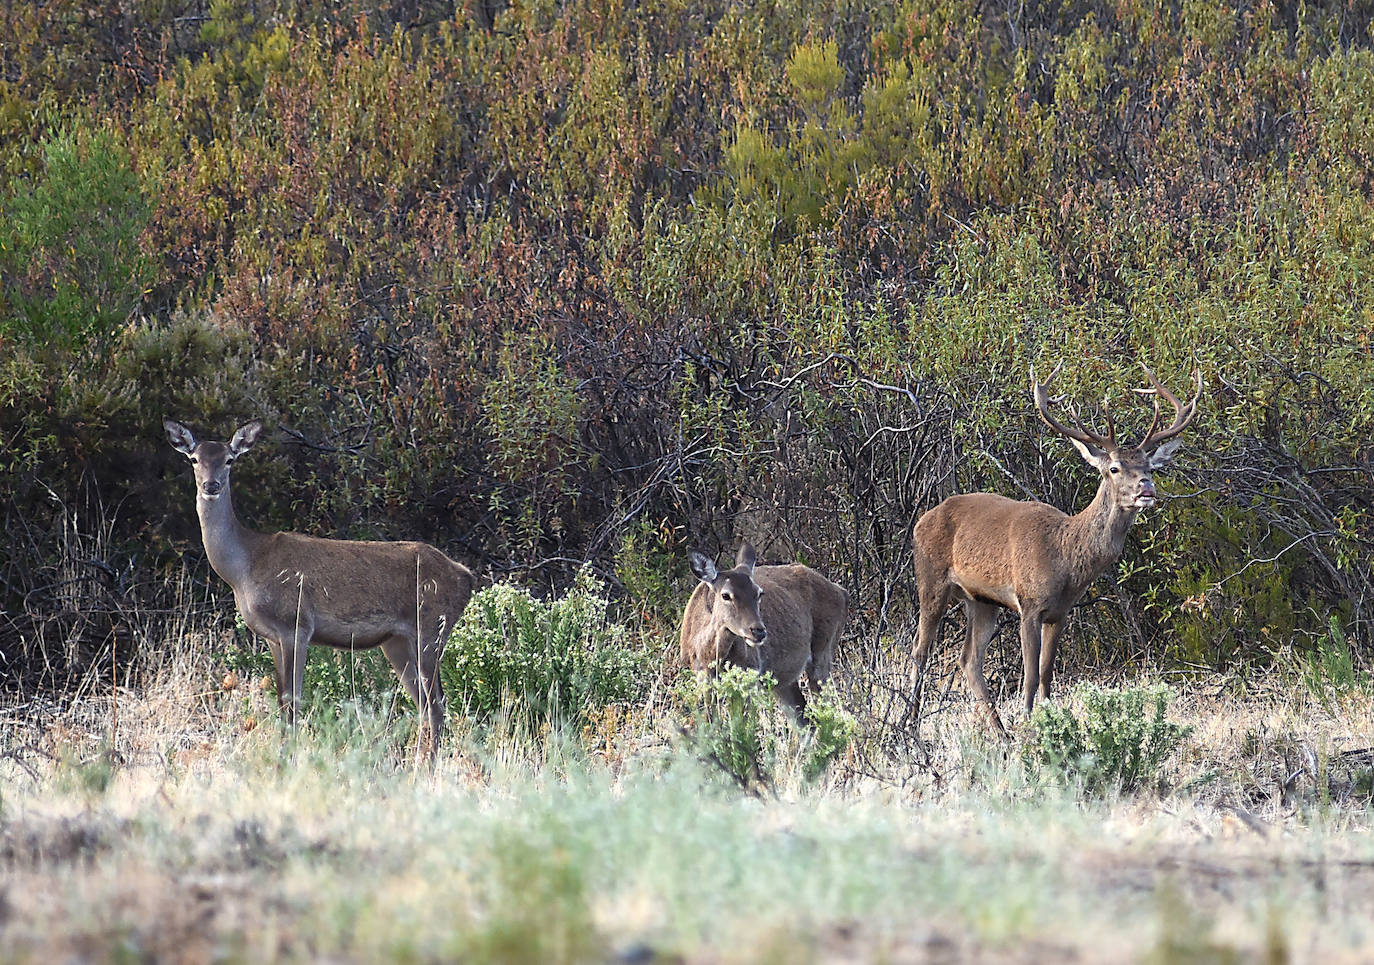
pixel 1049 637
pixel 433 688
pixel 934 602
pixel 288 645
pixel 283 681
pixel 296 652
pixel 1031 626
pixel 822 657
pixel 400 653
pixel 792 696
pixel 982 624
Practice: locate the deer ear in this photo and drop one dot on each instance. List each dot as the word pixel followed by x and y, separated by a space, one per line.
pixel 746 557
pixel 181 438
pixel 245 437
pixel 1092 455
pixel 1164 455
pixel 703 567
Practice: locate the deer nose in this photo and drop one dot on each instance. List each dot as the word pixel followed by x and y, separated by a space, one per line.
pixel 211 488
pixel 759 632
pixel 1147 488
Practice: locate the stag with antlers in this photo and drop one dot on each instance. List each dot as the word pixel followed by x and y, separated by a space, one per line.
pixel 991 552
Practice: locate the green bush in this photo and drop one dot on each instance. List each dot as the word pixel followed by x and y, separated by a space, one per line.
pixel 1120 743
pixel 70 259
pixel 741 728
pixel 833 729
pixel 1328 669
pixel 540 661
pixel 733 730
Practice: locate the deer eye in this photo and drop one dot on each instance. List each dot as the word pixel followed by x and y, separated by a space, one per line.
pixel 726 595
pixel 1115 469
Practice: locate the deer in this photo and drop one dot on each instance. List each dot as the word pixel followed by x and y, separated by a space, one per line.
pixel 782 620
pixel 992 552
pixel 296 590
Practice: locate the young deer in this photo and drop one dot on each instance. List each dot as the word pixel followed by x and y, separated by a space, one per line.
pixel 991 552
pixel 783 620
pixel 296 590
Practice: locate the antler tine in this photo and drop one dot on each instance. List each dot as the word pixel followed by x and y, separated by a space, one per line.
pixel 1111 425
pixel 1041 393
pixel 1183 414
pixel 1154 419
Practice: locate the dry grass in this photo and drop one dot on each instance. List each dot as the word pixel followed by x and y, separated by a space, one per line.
pixel 202 835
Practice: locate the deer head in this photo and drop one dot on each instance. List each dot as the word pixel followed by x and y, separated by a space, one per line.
pixel 211 460
pixel 1126 470
pixel 737 596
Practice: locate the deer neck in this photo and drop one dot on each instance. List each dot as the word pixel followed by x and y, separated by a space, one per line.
pixel 1098 534
pixel 228 543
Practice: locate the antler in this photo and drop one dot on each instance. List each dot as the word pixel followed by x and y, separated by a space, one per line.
pixel 1183 414
pixel 1041 392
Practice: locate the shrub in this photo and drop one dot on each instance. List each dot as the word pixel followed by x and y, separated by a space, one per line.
pixel 541 661
pixel 1328 669
pixel 740 726
pixel 833 730
pixel 734 731
pixel 1120 743
pixel 69 244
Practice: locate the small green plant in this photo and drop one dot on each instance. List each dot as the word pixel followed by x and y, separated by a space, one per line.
pixel 540 661
pixel 733 730
pixel 833 730
pixel 1328 670
pixel 1121 741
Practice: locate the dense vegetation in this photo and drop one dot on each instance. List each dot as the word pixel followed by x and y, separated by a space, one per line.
pixel 552 282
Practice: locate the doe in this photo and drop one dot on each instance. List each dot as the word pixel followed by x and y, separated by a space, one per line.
pixel 295 590
pixel 783 620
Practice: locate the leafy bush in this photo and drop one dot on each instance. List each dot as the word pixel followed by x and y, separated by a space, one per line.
pixel 1121 741
pixel 741 728
pixel 69 243
pixel 733 731
pixel 540 661
pixel 1328 669
pixel 833 729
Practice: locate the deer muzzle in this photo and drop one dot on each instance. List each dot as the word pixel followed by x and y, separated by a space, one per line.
pixel 1146 497
pixel 757 634
pixel 211 489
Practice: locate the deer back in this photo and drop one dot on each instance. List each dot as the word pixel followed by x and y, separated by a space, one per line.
pixel 992 547
pixel 357 592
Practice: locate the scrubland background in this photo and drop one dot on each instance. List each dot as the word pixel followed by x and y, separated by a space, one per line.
pixel 554 284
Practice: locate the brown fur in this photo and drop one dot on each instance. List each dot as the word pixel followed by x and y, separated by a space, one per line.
pixel 800 613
